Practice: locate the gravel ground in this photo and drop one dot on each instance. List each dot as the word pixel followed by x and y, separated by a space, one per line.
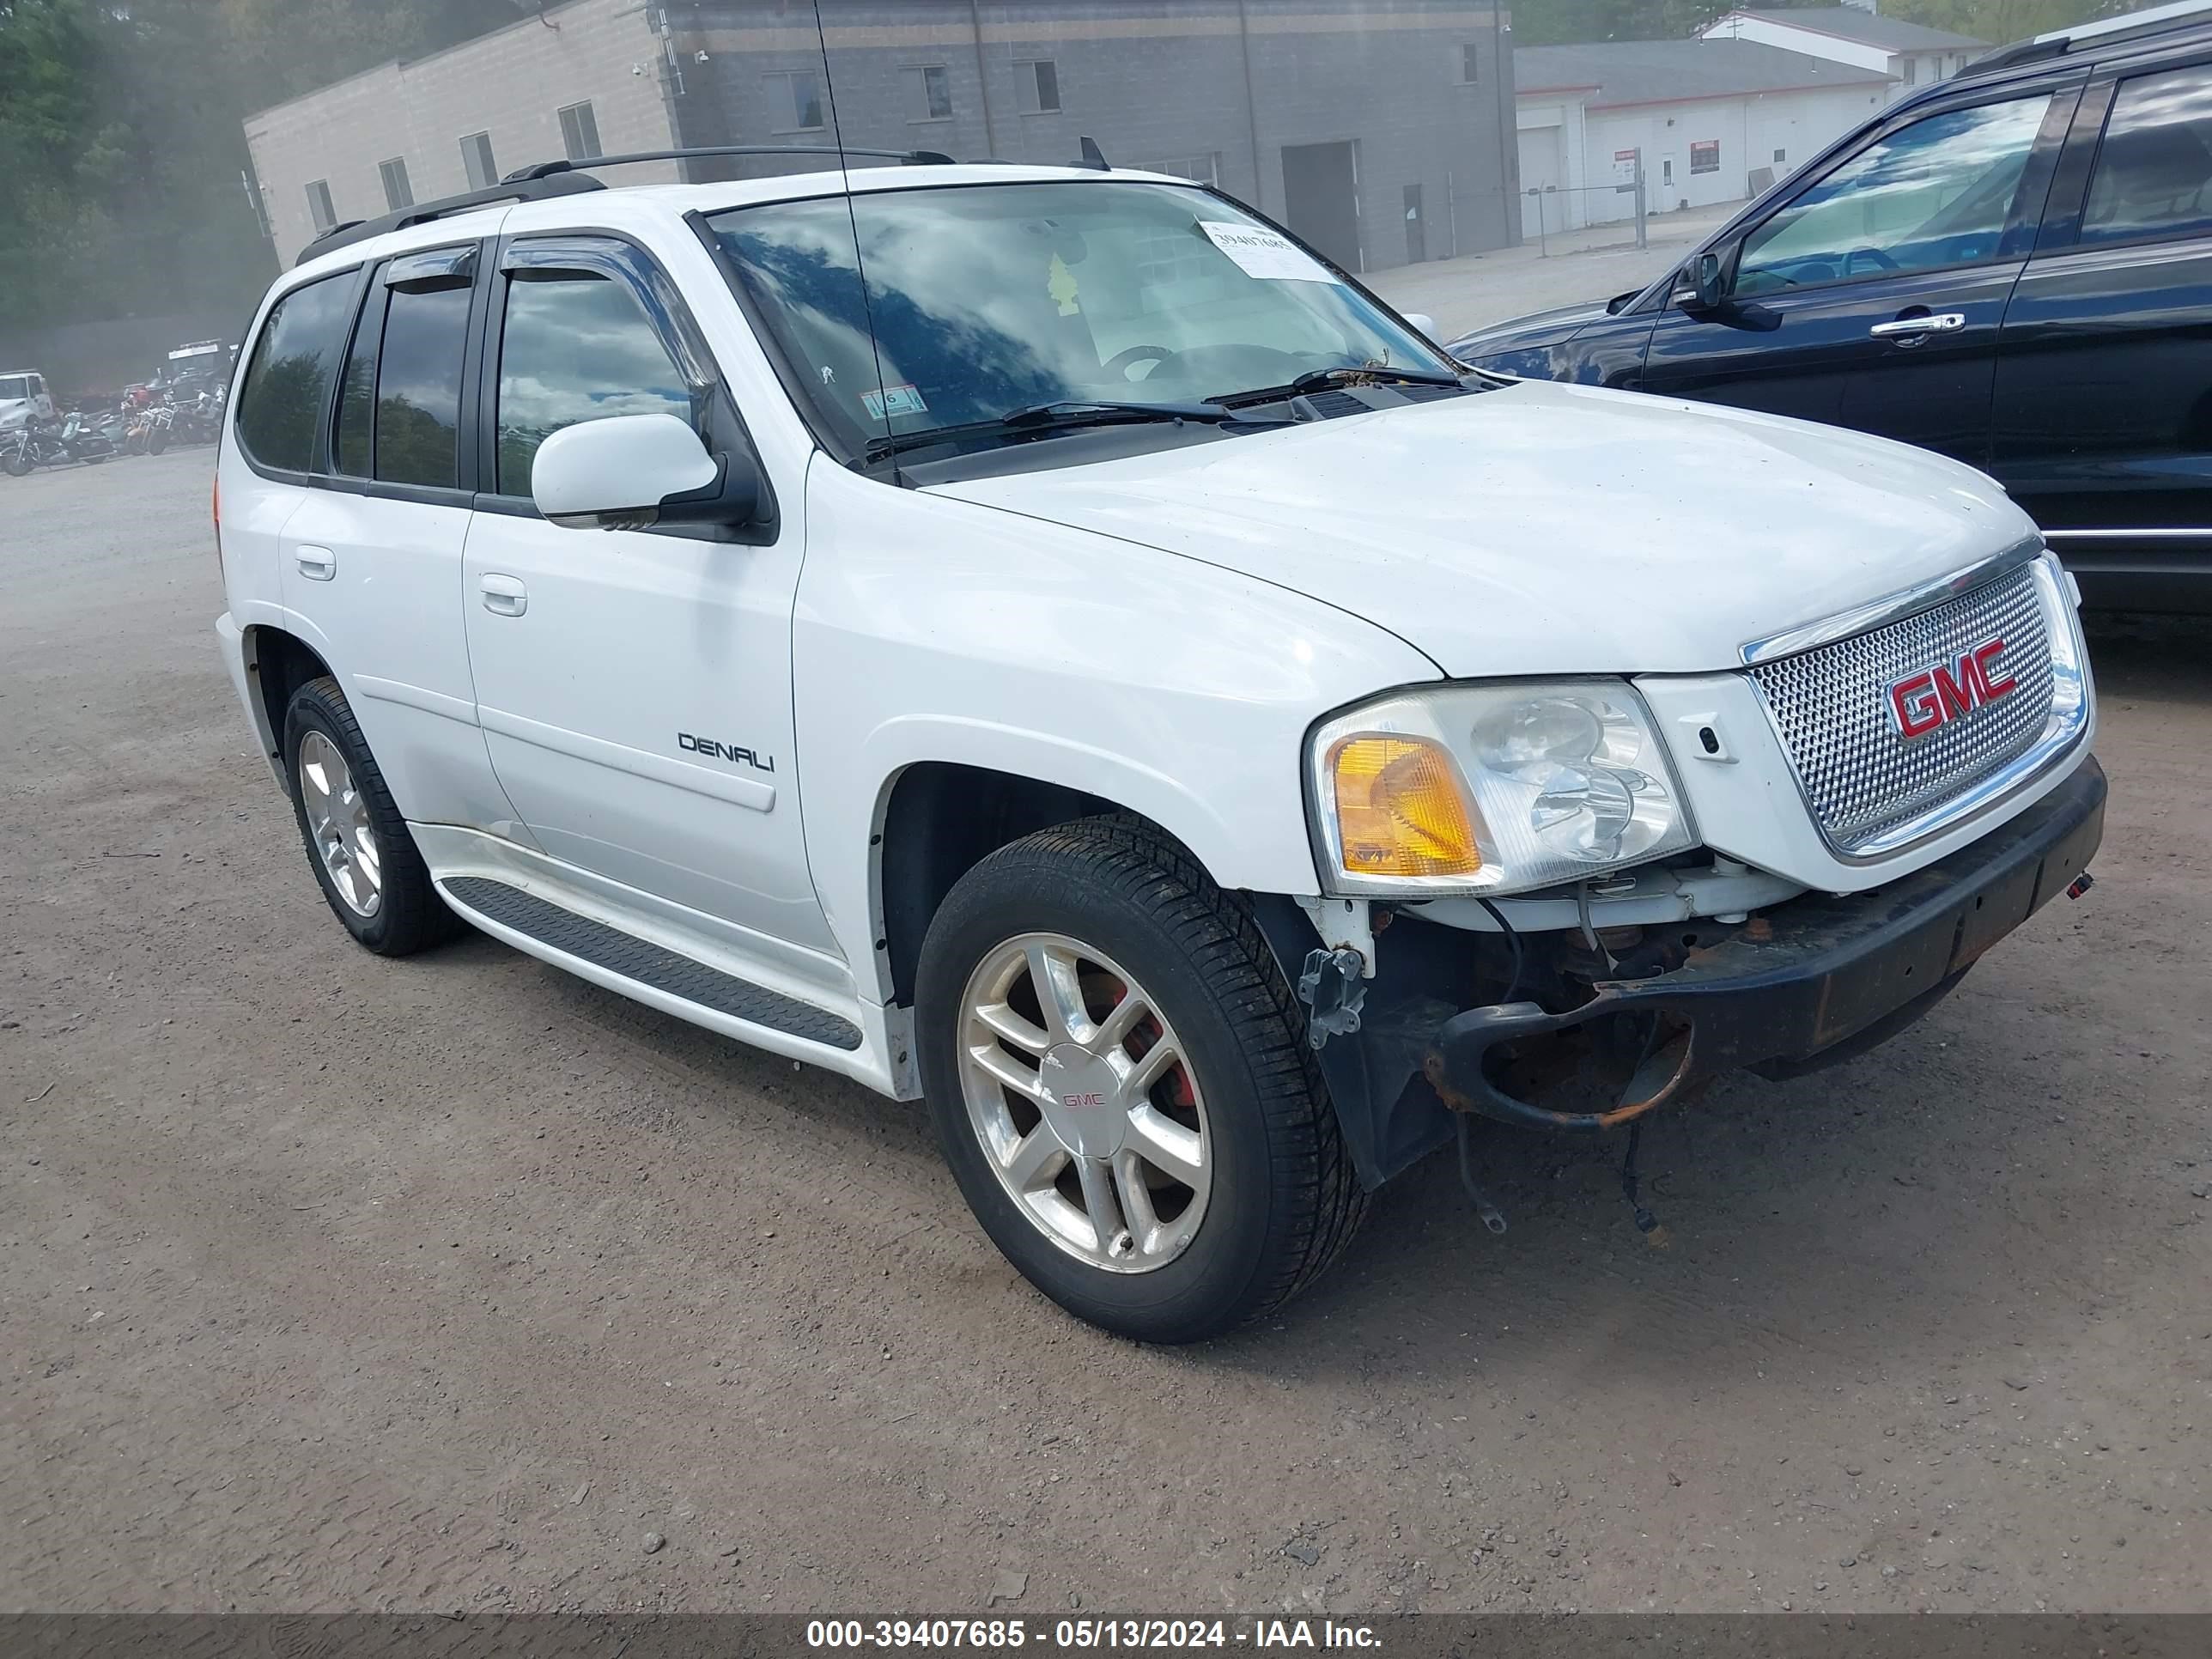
pixel 327 1282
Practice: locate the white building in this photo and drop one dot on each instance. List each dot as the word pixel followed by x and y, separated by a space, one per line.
pixel 1711 121
pixel 1909 53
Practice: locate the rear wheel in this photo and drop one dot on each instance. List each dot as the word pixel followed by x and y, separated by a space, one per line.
pixel 1116 1073
pixel 358 845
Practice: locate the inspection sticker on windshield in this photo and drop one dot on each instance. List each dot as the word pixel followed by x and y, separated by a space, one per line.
pixel 1259 252
pixel 894 400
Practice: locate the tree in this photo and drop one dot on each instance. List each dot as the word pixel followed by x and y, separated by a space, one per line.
pixel 123 168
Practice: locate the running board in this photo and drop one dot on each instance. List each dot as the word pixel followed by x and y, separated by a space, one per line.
pixel 642 962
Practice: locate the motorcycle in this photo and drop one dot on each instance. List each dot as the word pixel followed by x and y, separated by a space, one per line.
pixel 54 443
pixel 146 430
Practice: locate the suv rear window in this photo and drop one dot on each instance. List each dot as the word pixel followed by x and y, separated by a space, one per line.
pixel 289 380
pixel 2154 175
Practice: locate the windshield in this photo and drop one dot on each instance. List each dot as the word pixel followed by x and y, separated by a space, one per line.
pixel 989 299
pixel 14 387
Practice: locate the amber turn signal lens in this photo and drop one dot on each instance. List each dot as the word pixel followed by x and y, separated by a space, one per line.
pixel 1398 810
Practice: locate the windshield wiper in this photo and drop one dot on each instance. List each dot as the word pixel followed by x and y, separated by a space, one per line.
pixel 1320 379
pixel 1065 415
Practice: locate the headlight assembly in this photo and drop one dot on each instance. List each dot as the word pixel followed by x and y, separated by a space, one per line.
pixel 1497 788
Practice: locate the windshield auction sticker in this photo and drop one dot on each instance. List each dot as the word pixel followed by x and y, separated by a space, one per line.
pixel 1259 252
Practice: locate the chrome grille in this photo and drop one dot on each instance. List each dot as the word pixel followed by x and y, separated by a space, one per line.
pixel 1862 776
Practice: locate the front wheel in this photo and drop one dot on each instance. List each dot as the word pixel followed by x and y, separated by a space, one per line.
pixel 16 462
pixel 1116 1069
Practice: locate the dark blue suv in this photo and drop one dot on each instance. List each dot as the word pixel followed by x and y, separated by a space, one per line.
pixel 2014 267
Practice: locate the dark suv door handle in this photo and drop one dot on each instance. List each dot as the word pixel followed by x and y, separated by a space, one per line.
pixel 1911 328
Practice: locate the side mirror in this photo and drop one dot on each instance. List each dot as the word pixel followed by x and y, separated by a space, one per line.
pixel 1423 324
pixel 631 472
pixel 1705 282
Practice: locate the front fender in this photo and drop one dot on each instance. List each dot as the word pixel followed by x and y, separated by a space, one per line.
pixel 928 628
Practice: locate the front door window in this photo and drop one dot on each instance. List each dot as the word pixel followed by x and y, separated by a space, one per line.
pixel 1937 193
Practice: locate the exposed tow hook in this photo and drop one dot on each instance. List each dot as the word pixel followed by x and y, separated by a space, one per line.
pixel 2080 884
pixel 1492 1218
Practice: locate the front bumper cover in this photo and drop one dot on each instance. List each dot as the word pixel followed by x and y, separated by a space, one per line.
pixel 1806 984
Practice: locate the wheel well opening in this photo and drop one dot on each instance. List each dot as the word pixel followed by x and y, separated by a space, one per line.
pixel 943 819
pixel 283 663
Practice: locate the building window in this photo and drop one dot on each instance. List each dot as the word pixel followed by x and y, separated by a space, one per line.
pixel 1781 156
pixel 1705 157
pixel 1911 70
pixel 1667 171
pixel 475 157
pixel 1470 65
pixel 319 204
pixel 1199 169
pixel 928 93
pixel 579 132
pixel 1037 81
pixel 798 94
pixel 396 194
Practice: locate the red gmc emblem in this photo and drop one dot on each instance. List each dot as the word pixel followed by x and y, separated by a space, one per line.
pixel 1924 700
pixel 1079 1102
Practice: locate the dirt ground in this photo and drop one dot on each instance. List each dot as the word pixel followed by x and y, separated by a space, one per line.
pixel 327 1282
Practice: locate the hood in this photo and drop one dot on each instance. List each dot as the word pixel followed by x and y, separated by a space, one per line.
pixel 1547 529
pixel 1537 328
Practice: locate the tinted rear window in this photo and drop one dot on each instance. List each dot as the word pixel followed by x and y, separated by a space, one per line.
pixel 288 381
pixel 418 387
pixel 2154 175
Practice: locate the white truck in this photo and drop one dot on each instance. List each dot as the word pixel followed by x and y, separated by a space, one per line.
pixel 1045 642
pixel 24 398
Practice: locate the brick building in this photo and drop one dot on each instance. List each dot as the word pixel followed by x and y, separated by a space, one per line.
pixel 1381 129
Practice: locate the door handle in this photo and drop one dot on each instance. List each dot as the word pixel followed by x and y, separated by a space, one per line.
pixel 503 596
pixel 1912 328
pixel 316 564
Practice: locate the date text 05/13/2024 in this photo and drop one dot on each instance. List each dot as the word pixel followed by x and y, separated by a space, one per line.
pixel 1086 1635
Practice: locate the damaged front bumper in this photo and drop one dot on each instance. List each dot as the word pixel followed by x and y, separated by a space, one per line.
pixel 1804 985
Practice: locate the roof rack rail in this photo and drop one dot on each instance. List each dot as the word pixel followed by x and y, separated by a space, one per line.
pixel 2111 31
pixel 913 158
pixel 509 189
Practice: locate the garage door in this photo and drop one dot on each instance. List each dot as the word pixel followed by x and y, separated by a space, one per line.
pixel 1539 171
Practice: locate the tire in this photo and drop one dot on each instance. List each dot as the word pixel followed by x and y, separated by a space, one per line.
pixel 406 915
pixel 16 463
pixel 1279 1199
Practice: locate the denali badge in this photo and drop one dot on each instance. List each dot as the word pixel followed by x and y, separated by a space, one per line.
pixel 1923 701
pixel 727 751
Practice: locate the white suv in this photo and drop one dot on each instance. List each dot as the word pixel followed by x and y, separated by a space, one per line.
pixel 1044 641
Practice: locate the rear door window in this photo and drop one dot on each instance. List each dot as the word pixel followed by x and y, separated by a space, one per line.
pixel 418 386
pixel 2153 179
pixel 288 384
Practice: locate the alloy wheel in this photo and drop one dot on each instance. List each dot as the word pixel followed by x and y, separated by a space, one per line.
pixel 1087 1108
pixel 339 825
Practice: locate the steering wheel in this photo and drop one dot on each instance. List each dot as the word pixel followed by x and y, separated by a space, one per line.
pixel 1874 255
pixel 1122 361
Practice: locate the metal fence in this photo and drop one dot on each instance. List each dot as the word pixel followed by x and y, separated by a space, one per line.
pixel 1573 218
